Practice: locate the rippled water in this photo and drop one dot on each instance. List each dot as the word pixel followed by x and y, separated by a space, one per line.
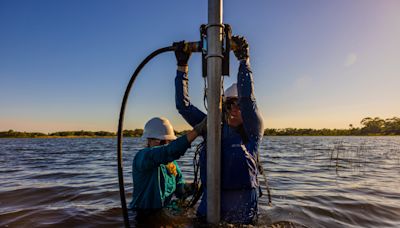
pixel 315 182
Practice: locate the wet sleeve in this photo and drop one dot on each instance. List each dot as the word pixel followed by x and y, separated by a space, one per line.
pixel 189 112
pixel 252 118
pixel 149 158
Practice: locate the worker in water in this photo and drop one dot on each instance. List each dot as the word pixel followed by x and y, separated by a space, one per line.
pixel 156 174
pixel 242 131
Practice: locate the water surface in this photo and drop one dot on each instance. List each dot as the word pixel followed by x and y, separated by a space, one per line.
pixel 314 181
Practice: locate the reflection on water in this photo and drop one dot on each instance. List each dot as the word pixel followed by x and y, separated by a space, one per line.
pixel 314 181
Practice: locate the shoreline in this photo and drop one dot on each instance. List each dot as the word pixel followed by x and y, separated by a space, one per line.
pixel 93 137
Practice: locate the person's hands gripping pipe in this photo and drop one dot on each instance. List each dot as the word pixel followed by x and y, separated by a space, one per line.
pixel 240 48
pixel 201 128
pixel 182 53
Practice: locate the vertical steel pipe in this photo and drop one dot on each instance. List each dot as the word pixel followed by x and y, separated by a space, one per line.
pixel 214 73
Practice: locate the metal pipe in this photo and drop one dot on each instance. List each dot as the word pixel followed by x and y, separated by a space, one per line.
pixel 214 72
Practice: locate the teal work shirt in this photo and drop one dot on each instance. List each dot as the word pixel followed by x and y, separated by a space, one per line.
pixel 153 185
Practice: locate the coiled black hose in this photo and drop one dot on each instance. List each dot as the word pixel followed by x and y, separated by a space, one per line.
pixel 120 128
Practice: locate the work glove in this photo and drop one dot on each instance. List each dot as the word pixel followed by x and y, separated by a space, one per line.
pixel 185 190
pixel 190 188
pixel 201 128
pixel 182 55
pixel 242 48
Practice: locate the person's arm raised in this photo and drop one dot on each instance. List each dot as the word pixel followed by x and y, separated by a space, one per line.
pixel 252 118
pixel 189 112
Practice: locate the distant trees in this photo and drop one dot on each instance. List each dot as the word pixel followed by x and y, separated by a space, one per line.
pixel 16 134
pixel 125 133
pixel 82 133
pixel 132 133
pixel 306 132
pixel 370 126
pixel 104 134
pixel 390 126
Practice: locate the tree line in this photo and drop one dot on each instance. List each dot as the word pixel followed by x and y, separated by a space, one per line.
pixel 82 133
pixel 369 126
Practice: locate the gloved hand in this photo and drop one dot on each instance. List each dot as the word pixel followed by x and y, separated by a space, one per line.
pixel 201 128
pixel 242 48
pixel 190 188
pixel 185 190
pixel 182 55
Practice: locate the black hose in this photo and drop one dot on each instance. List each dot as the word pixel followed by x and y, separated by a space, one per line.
pixel 120 129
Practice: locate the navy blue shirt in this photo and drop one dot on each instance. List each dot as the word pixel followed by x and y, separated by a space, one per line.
pixel 238 155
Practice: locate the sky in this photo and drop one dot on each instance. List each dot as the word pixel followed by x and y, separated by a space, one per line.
pixel 64 65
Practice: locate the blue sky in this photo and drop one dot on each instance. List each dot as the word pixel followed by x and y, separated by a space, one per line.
pixel 64 65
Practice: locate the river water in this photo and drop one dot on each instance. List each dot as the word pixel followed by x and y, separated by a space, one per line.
pixel 314 181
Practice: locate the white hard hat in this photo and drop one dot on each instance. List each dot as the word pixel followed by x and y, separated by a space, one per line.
pixel 159 128
pixel 231 92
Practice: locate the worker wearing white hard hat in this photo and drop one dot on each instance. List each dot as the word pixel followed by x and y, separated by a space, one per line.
pixel 158 128
pixel 231 92
pixel 156 175
pixel 241 134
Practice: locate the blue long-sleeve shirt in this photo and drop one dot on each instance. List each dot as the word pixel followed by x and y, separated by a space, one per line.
pixel 238 155
pixel 153 184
